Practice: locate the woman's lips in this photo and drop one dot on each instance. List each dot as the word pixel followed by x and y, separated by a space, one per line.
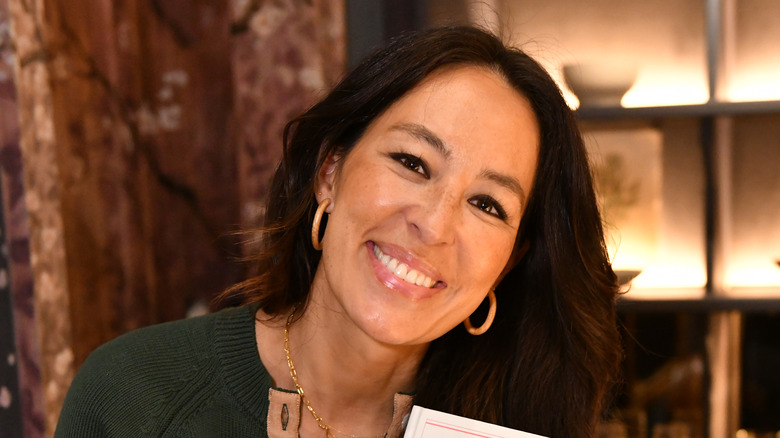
pixel 402 270
pixel 398 275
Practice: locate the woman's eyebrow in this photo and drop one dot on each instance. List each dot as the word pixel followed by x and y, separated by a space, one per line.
pixel 506 181
pixel 422 133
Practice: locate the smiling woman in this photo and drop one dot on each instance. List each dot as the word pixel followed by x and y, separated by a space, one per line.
pixel 443 176
pixel 423 188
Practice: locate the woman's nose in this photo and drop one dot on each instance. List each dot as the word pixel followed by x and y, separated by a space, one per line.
pixel 435 220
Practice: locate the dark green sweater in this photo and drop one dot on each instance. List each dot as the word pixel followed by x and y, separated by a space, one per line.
pixel 199 377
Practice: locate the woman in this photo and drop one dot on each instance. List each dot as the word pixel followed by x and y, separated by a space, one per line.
pixel 445 171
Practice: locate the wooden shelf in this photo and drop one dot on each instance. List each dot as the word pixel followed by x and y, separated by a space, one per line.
pixel 702 305
pixel 709 109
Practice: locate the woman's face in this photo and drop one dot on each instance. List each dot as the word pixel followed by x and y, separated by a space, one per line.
pixel 426 206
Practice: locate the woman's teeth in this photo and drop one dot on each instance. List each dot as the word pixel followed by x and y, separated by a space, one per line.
pixel 402 270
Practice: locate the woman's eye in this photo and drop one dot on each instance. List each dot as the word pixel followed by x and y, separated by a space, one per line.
pixel 489 206
pixel 415 164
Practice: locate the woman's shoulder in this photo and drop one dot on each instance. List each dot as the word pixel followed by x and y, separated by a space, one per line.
pixel 138 377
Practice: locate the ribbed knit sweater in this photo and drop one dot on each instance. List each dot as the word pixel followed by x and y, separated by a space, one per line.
pixel 199 377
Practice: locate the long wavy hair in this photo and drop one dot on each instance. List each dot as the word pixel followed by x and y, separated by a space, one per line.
pixel 549 360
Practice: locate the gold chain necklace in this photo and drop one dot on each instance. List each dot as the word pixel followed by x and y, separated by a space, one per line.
pixel 294 375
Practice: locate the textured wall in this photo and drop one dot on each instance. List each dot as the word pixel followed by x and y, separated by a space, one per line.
pixel 148 131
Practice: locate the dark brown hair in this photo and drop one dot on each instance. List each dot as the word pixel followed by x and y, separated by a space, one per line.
pixel 547 363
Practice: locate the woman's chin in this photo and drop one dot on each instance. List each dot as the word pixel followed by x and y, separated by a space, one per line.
pixel 399 328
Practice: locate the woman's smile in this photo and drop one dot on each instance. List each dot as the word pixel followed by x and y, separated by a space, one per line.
pixel 408 276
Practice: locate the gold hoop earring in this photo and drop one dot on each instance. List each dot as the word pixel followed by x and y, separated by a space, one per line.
pixel 315 226
pixel 488 321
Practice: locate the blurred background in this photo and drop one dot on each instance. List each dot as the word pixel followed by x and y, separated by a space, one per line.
pixel 138 137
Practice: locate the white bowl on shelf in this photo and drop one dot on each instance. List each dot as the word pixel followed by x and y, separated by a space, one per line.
pixel 600 84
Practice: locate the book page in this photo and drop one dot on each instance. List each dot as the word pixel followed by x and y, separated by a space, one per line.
pixel 427 423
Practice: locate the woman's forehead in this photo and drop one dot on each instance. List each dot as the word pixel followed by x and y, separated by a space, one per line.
pixel 468 112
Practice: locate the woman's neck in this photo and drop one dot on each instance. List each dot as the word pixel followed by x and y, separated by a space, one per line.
pixel 348 378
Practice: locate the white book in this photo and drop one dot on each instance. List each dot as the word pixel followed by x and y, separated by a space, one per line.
pixel 427 423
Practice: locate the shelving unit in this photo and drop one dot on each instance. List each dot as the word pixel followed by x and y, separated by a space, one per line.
pixel 701 305
pixel 721 314
pixel 724 311
pixel 710 109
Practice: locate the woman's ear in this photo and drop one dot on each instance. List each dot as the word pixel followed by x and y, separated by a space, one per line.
pixel 326 180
